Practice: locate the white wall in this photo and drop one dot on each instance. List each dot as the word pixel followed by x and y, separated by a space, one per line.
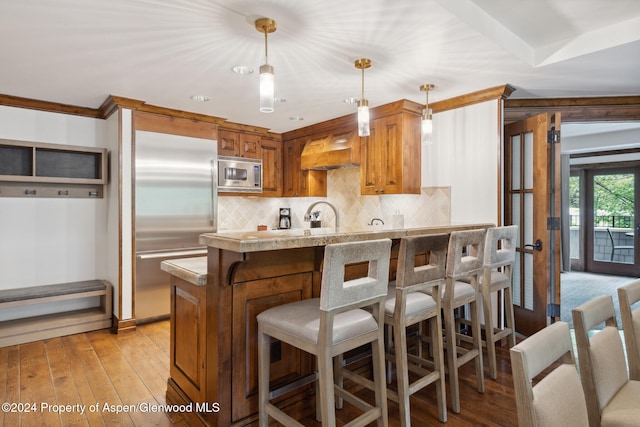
pixel 45 241
pixel 465 156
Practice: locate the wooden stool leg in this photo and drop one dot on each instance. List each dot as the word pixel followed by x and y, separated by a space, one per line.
pixel 438 364
pixel 389 347
pixel 477 343
pixel 325 380
pixel 263 375
pixel 377 352
pixel 452 358
pixel 510 321
pixel 402 372
pixel 488 331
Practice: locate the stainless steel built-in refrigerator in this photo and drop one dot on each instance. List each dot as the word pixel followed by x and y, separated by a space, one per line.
pixel 175 202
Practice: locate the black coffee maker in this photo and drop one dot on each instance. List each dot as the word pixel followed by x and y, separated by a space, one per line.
pixel 284 222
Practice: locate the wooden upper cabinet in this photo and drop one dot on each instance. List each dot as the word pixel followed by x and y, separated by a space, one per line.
pixel 271 153
pixel 298 182
pixel 390 156
pixel 238 144
pixel 250 145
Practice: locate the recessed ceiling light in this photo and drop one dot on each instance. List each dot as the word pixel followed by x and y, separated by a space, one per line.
pixel 242 70
pixel 200 98
pixel 351 100
pixel 296 118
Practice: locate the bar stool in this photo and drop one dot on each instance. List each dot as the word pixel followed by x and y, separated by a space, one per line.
pixel 499 256
pixel 407 304
pixel 458 294
pixel 331 325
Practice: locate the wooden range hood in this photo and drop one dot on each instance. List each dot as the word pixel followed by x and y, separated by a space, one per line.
pixel 332 150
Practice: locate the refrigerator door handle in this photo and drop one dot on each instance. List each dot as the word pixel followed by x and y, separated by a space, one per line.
pixel 172 254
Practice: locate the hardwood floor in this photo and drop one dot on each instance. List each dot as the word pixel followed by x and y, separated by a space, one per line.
pixel 99 368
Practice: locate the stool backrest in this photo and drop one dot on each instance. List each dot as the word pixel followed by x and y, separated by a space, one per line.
pixel 603 369
pixel 500 247
pixel 471 263
pixel 540 405
pixel 435 245
pixel 628 296
pixel 335 292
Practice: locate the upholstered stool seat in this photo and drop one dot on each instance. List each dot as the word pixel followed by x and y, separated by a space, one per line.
pixel 300 319
pixel 416 302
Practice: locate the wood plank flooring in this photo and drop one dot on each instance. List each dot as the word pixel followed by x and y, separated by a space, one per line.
pixel 99 368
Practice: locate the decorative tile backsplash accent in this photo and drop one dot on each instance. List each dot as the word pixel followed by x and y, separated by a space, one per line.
pixel 431 207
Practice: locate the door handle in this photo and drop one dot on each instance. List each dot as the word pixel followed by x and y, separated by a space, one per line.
pixel 536 246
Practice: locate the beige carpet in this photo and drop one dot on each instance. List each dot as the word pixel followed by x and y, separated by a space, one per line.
pixel 577 287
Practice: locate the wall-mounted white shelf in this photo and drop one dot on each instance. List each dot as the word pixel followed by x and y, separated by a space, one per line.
pixel 34 169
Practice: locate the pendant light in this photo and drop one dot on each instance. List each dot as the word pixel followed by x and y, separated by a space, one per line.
pixel 363 104
pixel 426 128
pixel 266 26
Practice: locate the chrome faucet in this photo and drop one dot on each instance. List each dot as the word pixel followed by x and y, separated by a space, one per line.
pixel 374 220
pixel 307 215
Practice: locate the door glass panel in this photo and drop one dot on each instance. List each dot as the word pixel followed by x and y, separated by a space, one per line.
pixel 528 281
pixel 515 162
pixel 613 218
pixel 515 206
pixel 528 218
pixel 528 160
pixel 517 300
pixel 574 217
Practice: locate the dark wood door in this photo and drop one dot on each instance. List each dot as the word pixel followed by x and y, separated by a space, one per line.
pixel 611 226
pixel 528 177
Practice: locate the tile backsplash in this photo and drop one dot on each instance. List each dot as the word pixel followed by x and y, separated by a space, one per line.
pixel 431 207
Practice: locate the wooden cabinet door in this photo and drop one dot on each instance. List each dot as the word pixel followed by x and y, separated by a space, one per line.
pixel 189 338
pixel 238 144
pixel 249 300
pixel 228 143
pixel 249 146
pixel 291 167
pixel 271 153
pixel 370 161
pixel 390 156
pixel 389 141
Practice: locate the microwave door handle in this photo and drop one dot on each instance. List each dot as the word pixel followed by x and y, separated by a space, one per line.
pixel 214 194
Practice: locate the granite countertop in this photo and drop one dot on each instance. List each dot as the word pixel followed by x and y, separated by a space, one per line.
pixel 268 240
pixel 193 270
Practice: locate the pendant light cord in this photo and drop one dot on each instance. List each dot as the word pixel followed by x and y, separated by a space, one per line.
pixel 266 46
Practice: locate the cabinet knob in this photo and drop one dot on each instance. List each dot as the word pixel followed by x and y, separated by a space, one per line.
pixel 30 192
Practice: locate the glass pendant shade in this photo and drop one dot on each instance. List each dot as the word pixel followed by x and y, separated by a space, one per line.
pixel 426 129
pixel 266 88
pixel 363 117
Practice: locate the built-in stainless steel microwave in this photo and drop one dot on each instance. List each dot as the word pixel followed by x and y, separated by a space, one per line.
pixel 239 174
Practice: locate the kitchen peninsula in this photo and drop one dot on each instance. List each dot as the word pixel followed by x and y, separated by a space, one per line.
pixel 213 326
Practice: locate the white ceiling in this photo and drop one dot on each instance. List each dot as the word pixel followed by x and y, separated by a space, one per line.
pixel 78 52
